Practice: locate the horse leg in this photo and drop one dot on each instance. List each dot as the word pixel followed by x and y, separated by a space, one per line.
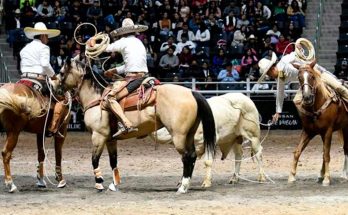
pixel 345 148
pixel 326 157
pixel 112 150
pixel 98 141
pixel 188 159
pixel 257 149
pixel 305 138
pixel 58 145
pixel 41 158
pixel 208 163
pixel 11 142
pixel 238 155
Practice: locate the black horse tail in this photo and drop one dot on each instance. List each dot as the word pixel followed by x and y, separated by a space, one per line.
pixel 206 115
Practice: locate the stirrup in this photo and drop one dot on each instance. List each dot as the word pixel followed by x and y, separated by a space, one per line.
pixel 124 130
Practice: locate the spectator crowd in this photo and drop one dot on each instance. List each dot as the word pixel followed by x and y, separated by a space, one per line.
pixel 206 39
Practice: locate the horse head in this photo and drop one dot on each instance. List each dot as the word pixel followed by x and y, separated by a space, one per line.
pixel 308 79
pixel 71 74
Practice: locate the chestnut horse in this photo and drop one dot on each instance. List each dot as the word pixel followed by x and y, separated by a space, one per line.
pixel 21 110
pixel 177 108
pixel 322 112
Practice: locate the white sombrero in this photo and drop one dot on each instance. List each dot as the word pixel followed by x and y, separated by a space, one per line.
pixel 265 64
pixel 40 28
pixel 129 27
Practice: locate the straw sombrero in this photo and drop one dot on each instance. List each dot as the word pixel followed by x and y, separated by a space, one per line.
pixel 40 28
pixel 265 64
pixel 129 27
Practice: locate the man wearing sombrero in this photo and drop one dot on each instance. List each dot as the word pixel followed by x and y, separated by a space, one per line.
pixel 284 72
pixel 35 64
pixel 135 68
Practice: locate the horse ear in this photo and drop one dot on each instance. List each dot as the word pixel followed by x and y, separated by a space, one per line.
pixel 297 66
pixel 313 63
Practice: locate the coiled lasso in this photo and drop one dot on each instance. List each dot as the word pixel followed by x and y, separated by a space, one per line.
pixel 98 48
pixel 300 52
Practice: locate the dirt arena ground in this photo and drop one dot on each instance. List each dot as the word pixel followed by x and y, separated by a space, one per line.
pixel 149 179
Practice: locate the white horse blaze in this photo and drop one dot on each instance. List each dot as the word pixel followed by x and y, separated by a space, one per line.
pixel 305 83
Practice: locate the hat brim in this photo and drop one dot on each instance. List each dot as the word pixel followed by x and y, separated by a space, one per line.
pixel 130 29
pixel 264 70
pixel 32 32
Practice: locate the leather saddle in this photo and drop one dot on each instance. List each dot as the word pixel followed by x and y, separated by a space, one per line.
pixel 143 96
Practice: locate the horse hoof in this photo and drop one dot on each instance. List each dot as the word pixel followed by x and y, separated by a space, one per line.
pixel 262 179
pixel 320 180
pixel 61 184
pixel 41 183
pixel 181 190
pixel 326 182
pixel 99 186
pixel 113 187
pixel 206 184
pixel 234 179
pixel 12 188
pixel 291 179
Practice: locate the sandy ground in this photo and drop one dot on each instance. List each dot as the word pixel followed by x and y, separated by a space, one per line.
pixel 149 179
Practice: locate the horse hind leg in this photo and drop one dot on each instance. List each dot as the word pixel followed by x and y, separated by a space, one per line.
pixel 326 156
pixel 185 147
pixel 238 155
pixel 58 145
pixel 98 142
pixel 257 150
pixel 112 150
pixel 11 142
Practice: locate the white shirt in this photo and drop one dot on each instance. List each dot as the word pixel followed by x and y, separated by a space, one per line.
pixel 133 52
pixel 35 58
pixel 181 45
pixel 288 73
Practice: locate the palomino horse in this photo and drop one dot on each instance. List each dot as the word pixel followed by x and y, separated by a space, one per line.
pixel 322 113
pixel 21 109
pixel 236 119
pixel 177 108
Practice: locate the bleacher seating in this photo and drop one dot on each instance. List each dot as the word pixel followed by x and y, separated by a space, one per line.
pixel 342 50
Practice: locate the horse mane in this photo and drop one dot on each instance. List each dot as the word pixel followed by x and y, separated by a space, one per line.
pixel 319 83
pixel 97 81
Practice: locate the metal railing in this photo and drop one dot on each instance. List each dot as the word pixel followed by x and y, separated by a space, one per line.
pixel 250 88
pixel 4 75
pixel 318 26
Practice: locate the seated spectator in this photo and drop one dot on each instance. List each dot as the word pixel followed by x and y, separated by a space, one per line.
pixel 185 60
pixel 58 61
pixel 169 64
pixel 292 33
pixel 209 86
pixel 14 26
pixel 218 60
pixel 59 11
pixel 248 9
pixel 166 7
pixel 249 59
pixel 184 42
pixel 274 33
pixel 95 14
pixel 262 11
pixel 170 42
pixel 45 12
pixel 228 75
pixel 76 12
pixel 204 72
pixel 252 44
pixel 191 36
pixel 281 45
pixel 28 12
pixel 229 27
pixel 243 21
pixel 232 7
pixel 296 15
pixel 213 8
pixel 151 57
pixel 194 22
pixel 203 39
pixel 280 16
pixel 176 23
pixel 165 25
pixel 239 38
pixel 266 46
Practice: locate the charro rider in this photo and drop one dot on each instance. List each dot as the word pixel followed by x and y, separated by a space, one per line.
pixel 35 64
pixel 285 72
pixel 135 68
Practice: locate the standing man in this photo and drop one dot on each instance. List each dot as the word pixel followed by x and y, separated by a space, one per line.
pixel 284 72
pixel 135 68
pixel 35 64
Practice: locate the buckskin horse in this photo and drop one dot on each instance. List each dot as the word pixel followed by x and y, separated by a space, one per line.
pixel 23 109
pixel 237 119
pixel 322 112
pixel 177 108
